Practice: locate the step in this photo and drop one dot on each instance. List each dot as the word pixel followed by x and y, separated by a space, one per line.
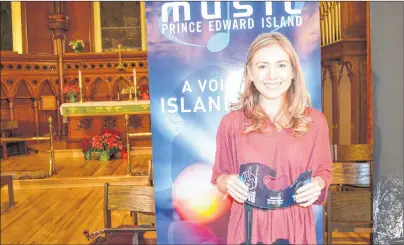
pixel 70 182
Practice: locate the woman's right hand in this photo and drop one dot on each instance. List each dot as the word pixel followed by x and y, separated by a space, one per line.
pixel 236 188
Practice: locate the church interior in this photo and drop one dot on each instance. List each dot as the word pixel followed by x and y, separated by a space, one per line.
pixel 92 54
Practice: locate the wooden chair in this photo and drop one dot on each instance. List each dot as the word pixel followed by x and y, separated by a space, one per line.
pixel 349 203
pixel 354 153
pixel 11 129
pixel 137 199
pixel 8 180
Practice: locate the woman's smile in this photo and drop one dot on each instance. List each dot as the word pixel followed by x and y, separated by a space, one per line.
pixel 273 85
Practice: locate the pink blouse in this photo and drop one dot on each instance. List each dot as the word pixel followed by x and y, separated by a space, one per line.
pixel 289 156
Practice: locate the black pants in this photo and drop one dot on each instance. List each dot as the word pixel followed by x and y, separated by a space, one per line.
pixel 248 227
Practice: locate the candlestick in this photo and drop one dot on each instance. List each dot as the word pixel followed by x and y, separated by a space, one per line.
pixel 80 87
pixel 134 82
pixel 80 83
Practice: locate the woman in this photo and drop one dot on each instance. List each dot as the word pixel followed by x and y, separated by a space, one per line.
pixel 274 125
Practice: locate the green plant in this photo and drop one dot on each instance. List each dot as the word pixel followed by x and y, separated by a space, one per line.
pixel 77 45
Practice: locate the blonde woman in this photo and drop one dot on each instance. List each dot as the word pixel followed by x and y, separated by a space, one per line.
pixel 274 125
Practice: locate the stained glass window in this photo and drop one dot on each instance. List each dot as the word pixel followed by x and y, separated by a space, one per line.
pixel 6 38
pixel 120 24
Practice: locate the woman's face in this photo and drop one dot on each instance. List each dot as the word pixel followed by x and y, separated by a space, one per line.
pixel 271 71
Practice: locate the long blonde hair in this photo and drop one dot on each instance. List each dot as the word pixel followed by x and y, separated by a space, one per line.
pixel 293 114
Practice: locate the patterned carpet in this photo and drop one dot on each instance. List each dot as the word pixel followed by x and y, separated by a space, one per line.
pixel 21 175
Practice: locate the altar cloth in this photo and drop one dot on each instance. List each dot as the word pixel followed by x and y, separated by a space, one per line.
pixel 105 108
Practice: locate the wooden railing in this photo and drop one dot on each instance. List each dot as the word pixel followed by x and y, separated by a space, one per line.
pixel 330 21
pixel 52 168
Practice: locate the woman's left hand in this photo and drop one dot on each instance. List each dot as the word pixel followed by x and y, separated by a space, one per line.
pixel 309 193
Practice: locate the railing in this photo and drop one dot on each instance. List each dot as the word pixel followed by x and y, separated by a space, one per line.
pixel 52 168
pixel 330 22
pixel 132 135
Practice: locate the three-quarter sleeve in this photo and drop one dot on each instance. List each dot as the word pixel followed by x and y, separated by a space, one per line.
pixel 322 162
pixel 225 150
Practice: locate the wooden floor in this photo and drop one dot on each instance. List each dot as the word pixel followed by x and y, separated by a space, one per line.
pixel 56 210
pixel 71 163
pixel 54 215
pixel 351 238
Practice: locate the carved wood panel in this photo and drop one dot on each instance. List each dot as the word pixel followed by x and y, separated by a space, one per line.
pixel 84 124
pixel 349 97
pixel 38 35
pixel 33 76
pixel 327 98
pixel 32 85
pixel 94 65
pixel 24 114
pixel 346 60
pixel 4 111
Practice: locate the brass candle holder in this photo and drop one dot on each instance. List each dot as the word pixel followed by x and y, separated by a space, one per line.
pixel 80 85
pixel 52 168
pixel 81 94
pixel 129 91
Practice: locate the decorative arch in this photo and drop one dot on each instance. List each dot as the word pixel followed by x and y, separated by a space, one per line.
pixel 47 85
pixel 143 81
pixel 100 90
pixel 3 92
pixel 23 90
pixel 328 97
pixel 120 84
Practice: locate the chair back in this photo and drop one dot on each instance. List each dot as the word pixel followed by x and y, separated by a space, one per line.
pixel 353 153
pixel 137 199
pixel 8 127
pixel 351 173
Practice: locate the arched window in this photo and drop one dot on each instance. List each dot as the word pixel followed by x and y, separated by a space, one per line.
pixel 119 23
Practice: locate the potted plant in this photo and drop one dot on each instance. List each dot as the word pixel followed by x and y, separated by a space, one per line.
pixel 86 148
pixel 107 143
pixel 71 91
pixel 77 45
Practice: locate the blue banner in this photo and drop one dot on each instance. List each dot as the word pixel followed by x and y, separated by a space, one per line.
pixel 196 55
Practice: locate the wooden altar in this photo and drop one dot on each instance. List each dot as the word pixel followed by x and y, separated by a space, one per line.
pixel 89 118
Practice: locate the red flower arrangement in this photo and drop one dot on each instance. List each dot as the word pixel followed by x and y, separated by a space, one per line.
pixel 86 145
pixel 108 140
pixel 86 148
pixel 71 89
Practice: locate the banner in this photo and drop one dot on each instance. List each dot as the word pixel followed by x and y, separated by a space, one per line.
pixel 196 56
